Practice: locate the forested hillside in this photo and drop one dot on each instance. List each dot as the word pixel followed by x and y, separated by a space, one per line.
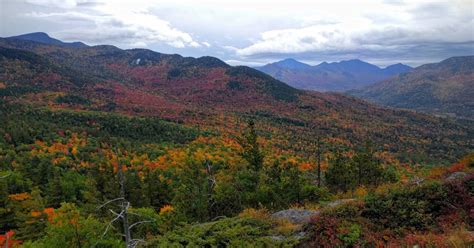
pixel 208 93
pixel 102 147
pixel 445 88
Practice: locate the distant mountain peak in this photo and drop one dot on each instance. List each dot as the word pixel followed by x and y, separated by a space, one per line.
pixel 291 63
pixel 44 38
pixel 397 69
pixel 353 61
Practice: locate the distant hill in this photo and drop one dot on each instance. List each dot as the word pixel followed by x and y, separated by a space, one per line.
pixel 215 96
pixel 46 39
pixel 337 76
pixel 445 88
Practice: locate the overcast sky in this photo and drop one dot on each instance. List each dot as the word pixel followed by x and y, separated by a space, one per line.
pixel 253 32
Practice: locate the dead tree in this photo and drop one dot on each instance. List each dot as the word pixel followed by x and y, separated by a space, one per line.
pixel 211 184
pixel 124 206
pixel 318 155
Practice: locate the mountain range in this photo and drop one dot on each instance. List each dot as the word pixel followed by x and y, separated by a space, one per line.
pixel 336 76
pixel 215 96
pixel 445 88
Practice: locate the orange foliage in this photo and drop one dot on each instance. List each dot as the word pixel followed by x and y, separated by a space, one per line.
pixel 19 197
pixel 306 166
pixel 50 212
pixel 166 209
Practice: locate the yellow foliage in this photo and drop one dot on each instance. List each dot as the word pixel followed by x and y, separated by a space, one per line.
pixel 259 214
pixel 311 206
pixel 285 227
pixel 35 213
pixel 360 192
pixel 460 238
pixel 385 188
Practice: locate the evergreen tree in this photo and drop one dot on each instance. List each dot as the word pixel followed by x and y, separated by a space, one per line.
pixel 341 174
pixel 192 195
pixel 369 169
pixel 251 149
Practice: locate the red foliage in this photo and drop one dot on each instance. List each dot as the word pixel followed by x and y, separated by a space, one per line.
pixel 459 195
pixel 8 237
pixel 456 167
pixel 323 232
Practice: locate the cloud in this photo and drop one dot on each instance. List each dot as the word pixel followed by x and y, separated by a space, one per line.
pixel 249 31
pixel 112 22
pixel 431 28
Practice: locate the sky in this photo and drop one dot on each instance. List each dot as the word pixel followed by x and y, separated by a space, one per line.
pixel 256 32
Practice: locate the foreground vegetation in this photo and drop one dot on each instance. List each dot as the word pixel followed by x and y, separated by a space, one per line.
pixel 59 171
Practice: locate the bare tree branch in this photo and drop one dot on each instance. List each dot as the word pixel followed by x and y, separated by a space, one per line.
pixel 110 224
pixel 5 176
pixel 115 213
pixel 108 202
pixel 139 223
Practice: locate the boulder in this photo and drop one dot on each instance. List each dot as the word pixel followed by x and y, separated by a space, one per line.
pixel 296 216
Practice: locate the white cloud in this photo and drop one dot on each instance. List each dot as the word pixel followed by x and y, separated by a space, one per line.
pixel 371 30
pixel 115 21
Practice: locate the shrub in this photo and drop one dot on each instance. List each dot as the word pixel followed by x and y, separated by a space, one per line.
pixel 322 232
pixel 349 210
pixel 407 207
pixel 73 99
pixel 227 232
pixel 349 233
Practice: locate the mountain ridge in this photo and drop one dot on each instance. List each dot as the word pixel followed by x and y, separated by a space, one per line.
pixel 335 76
pixel 444 88
pixel 46 39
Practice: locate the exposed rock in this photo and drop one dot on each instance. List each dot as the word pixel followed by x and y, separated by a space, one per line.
pixel 416 180
pixel 297 216
pixel 457 175
pixel 339 202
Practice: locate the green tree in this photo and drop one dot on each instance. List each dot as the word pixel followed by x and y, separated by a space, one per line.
pixel 368 167
pixel 192 192
pixel 29 226
pixel 251 148
pixel 248 178
pixel 341 174
pixel 70 229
